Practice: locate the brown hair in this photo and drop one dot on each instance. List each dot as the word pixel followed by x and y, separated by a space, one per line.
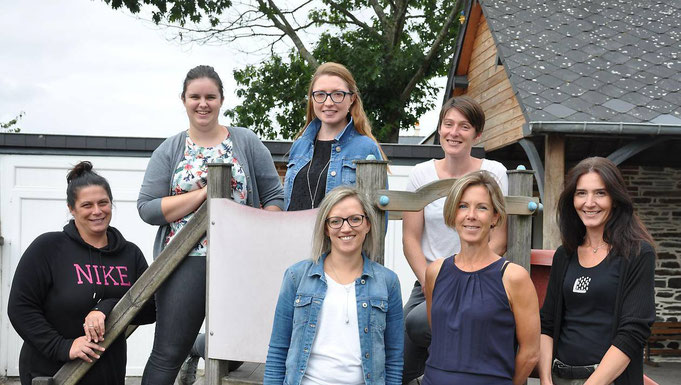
pixel 202 71
pixel 469 108
pixel 624 231
pixel 359 117
pixel 81 175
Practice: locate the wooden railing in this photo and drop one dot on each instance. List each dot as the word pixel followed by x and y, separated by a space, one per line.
pixel 520 205
pixel 371 179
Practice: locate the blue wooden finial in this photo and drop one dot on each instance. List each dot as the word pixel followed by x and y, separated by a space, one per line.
pixel 371 157
pixel 521 167
pixel 532 206
pixel 383 200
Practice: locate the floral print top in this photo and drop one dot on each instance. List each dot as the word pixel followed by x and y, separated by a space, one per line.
pixel 192 174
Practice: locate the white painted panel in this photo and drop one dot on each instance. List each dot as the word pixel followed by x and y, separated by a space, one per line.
pixel 41 176
pixel 247 260
pixel 241 261
pixel 33 201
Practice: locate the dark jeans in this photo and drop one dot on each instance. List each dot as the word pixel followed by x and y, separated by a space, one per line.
pixel 180 310
pixel 199 347
pixel 416 335
pixel 199 350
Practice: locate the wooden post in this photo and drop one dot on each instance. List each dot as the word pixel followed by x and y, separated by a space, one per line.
pixel 554 171
pixel 219 180
pixel 219 186
pixel 519 239
pixel 372 175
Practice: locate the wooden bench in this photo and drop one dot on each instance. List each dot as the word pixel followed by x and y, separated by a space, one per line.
pixel 663 331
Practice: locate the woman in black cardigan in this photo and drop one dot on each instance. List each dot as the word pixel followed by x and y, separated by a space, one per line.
pixel 600 300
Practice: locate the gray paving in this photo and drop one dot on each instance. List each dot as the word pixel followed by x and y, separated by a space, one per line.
pixel 667 373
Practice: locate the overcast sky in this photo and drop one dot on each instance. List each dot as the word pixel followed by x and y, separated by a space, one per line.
pixel 79 67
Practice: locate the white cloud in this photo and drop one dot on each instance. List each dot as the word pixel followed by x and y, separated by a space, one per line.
pixel 78 66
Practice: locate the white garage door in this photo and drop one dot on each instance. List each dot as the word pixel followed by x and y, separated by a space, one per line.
pixel 33 201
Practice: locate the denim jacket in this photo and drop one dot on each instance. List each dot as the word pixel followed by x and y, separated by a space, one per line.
pixel 348 146
pixel 379 316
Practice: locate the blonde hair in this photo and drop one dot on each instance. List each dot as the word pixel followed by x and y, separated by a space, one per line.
pixel 475 178
pixel 359 117
pixel 322 244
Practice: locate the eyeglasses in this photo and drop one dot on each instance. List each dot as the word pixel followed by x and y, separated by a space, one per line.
pixel 353 221
pixel 336 96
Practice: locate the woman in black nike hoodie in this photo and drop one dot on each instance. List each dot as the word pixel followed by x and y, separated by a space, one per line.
pixel 67 283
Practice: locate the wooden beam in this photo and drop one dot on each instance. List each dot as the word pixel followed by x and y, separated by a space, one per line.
pixel 554 168
pixel 417 200
pixel 469 39
pixel 461 81
pixel 633 148
pixel 372 175
pixel 219 180
pixel 519 226
pixel 219 186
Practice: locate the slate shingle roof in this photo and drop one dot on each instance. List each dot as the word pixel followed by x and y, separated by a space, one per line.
pixel 591 60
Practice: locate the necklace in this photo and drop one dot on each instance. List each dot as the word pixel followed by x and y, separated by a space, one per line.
pixel 347 288
pixel 598 247
pixel 319 178
pixel 336 276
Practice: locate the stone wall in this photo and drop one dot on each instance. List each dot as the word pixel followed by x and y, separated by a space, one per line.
pixel 657 197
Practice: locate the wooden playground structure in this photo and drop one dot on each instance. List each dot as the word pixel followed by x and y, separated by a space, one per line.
pixel 224 341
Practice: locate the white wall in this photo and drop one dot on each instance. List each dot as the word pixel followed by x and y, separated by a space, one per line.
pixel 33 201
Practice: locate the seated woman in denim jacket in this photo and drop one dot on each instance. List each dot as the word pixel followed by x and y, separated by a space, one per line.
pixel 337 132
pixel 339 315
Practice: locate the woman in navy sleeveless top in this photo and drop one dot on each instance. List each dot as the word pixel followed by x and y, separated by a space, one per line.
pixel 482 309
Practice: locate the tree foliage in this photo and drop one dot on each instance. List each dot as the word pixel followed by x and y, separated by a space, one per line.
pixel 11 126
pixel 177 11
pixel 394 48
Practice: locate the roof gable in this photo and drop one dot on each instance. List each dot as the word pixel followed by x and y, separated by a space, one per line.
pixel 583 60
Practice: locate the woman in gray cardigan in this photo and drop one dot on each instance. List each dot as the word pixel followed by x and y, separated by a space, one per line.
pixel 174 187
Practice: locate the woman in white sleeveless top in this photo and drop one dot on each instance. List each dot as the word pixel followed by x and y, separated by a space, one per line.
pixel 426 237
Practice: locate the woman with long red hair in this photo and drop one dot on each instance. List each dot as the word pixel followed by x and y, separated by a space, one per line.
pixel 337 132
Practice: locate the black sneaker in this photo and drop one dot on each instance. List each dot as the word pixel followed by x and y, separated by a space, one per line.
pixel 188 370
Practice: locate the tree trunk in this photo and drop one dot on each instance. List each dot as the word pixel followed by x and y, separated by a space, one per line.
pixel 391 131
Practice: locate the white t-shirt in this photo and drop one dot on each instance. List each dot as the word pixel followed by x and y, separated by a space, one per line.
pixel 336 357
pixel 438 240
